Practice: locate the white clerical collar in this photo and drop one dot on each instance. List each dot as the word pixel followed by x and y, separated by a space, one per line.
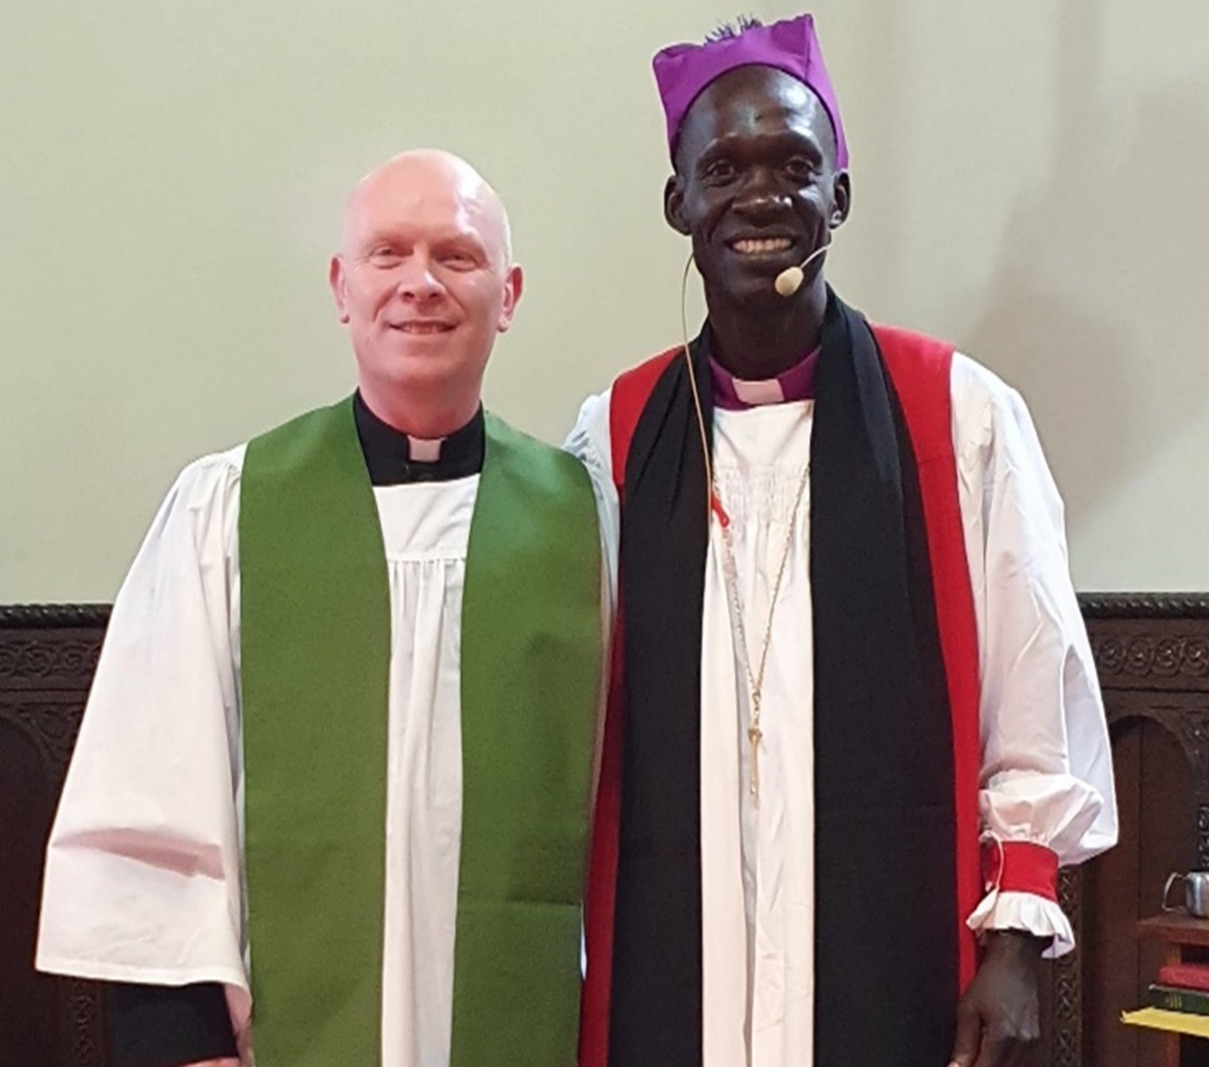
pixel 395 458
pixel 425 450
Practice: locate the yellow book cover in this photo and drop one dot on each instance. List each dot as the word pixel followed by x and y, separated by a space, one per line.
pixel 1178 1022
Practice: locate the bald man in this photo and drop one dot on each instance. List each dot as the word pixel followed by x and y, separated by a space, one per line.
pixel 330 792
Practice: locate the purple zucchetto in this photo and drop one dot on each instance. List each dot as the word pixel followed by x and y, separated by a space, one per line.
pixel 682 71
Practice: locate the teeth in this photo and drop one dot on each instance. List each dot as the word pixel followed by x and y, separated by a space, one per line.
pixel 748 246
pixel 423 327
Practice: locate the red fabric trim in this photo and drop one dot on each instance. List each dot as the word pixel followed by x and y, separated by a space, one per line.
pixel 600 906
pixel 631 391
pixel 630 394
pixel 1020 867
pixel 920 368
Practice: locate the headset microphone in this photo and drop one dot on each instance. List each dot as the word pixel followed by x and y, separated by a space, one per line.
pixel 789 281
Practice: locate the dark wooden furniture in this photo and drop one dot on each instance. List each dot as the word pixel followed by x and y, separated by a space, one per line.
pixel 1152 656
pixel 1152 653
pixel 1181 936
pixel 47 656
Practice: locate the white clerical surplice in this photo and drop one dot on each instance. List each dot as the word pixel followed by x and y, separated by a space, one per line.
pixel 155 792
pixel 1046 770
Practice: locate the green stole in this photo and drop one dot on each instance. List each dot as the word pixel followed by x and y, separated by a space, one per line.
pixel 315 667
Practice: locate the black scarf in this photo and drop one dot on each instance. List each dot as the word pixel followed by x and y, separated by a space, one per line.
pixel 885 947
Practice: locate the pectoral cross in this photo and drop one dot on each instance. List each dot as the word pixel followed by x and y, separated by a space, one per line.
pixel 754 735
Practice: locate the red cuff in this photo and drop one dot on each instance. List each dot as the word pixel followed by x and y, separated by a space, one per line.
pixel 1020 867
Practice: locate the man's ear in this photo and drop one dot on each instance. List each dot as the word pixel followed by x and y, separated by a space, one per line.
pixel 673 205
pixel 335 278
pixel 514 285
pixel 841 194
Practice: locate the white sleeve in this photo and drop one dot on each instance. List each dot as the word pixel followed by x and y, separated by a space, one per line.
pixel 1046 774
pixel 144 864
pixel 589 442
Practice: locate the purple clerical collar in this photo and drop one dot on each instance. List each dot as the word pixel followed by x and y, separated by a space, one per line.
pixel 738 394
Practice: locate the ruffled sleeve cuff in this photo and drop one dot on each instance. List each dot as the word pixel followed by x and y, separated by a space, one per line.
pixel 1021 882
pixel 1024 911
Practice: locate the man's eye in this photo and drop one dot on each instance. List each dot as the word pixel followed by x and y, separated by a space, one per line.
pixel 720 171
pixel 385 258
pixel 459 260
pixel 800 167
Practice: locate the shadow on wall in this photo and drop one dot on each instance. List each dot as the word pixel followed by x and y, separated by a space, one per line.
pixel 1097 301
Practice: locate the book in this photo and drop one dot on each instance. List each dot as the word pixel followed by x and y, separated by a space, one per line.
pixel 1178 1022
pixel 1185 975
pixel 1176 998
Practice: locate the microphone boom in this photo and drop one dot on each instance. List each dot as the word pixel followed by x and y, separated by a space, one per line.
pixel 789 281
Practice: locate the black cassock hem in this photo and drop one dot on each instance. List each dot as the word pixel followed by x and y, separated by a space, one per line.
pixel 167 1026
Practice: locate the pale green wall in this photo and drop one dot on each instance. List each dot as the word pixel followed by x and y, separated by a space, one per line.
pixel 1029 181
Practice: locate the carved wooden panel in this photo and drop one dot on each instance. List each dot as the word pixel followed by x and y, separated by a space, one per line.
pixel 1152 658
pixel 1152 655
pixel 1153 643
pixel 1065 988
pixel 47 657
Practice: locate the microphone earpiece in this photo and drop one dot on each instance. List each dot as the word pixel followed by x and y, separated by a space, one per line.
pixel 789 281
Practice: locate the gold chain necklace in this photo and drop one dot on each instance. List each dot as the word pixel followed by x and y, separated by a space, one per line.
pixel 715 509
pixel 755 682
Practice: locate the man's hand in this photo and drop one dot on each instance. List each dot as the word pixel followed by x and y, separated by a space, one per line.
pixel 998 1021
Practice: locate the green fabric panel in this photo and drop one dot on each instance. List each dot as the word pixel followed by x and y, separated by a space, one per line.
pixel 315 678
pixel 531 663
pixel 315 644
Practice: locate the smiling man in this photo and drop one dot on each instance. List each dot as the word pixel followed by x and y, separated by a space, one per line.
pixel 854 725
pixel 330 794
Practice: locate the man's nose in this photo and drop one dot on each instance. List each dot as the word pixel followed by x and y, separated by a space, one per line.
pixel 761 197
pixel 418 281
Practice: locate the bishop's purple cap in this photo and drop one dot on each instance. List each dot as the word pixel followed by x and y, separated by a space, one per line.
pixel 682 71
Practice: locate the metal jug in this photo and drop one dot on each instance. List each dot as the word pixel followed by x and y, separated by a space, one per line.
pixel 1196 893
